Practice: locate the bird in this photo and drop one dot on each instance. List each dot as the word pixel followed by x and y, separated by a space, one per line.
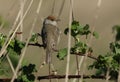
pixel 50 36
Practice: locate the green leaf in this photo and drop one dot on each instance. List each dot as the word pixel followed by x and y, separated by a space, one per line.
pixel 95 34
pixel 1 71
pixel 86 27
pixel 116 29
pixel 62 53
pixel 2 40
pixel 79 47
pixel 15 46
pixel 34 38
pixel 27 73
pixel 13 57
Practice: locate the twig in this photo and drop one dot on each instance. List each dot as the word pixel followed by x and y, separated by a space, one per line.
pixel 70 77
pixel 77 63
pixel 35 44
pixel 58 77
pixel 90 56
pixel 80 64
pixel 79 54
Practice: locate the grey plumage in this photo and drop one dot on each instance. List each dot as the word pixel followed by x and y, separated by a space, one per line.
pixel 50 38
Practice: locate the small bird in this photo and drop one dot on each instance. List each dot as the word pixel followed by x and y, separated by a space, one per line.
pixel 50 36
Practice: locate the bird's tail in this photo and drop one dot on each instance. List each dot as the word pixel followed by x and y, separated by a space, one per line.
pixel 48 56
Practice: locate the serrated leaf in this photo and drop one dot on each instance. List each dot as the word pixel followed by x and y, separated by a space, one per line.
pixel 62 53
pixel 95 34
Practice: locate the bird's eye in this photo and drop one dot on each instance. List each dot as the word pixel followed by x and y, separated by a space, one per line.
pixel 52 19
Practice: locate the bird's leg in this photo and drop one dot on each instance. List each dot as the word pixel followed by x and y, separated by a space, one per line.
pixel 49 64
pixel 54 72
pixel 42 65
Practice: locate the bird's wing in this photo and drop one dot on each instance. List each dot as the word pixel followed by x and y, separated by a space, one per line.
pixel 44 37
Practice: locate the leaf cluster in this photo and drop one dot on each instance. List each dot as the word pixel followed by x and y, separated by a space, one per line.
pixel 79 47
pixel 110 61
pixel 34 38
pixel 77 30
pixel 27 73
pixel 105 62
pixel 62 54
pixel 14 49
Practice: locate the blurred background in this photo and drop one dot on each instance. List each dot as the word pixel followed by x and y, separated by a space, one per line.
pixel 84 11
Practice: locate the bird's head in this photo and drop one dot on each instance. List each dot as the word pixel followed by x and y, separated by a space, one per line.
pixel 51 20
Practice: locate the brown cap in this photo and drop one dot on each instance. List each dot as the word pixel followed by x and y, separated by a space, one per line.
pixel 53 18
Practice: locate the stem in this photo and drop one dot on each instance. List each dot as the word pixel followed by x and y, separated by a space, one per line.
pixel 107 75
pixel 84 66
pixel 77 64
pixel 77 60
pixel 118 80
pixel 69 41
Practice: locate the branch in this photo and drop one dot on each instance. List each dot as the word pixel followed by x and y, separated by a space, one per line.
pixel 35 44
pixel 58 77
pixel 79 54
pixel 88 55
pixel 70 77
